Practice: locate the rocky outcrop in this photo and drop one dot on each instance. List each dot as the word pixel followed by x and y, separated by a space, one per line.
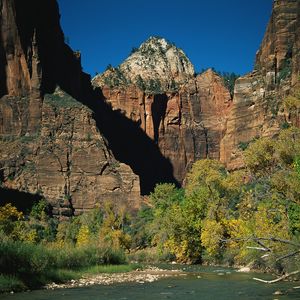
pixel 279 48
pixel 50 142
pixel 186 125
pixel 194 122
pixel 257 109
pixel 156 66
pixel 67 161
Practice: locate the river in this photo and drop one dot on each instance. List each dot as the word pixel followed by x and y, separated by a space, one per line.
pixel 199 283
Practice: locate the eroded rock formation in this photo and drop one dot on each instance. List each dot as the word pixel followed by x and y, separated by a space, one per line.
pixel 79 145
pixel 50 142
pixel 186 125
pixel 184 115
pixel 157 65
pixel 257 109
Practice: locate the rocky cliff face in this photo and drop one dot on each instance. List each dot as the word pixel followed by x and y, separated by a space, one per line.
pixel 63 139
pixel 186 125
pixel 155 87
pixel 50 142
pixel 257 109
pixel 280 43
pixel 193 122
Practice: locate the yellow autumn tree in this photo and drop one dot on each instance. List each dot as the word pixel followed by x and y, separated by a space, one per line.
pixel 112 232
pixel 83 237
pixel 9 218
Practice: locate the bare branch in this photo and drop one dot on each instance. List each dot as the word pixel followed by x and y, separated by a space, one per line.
pixel 288 255
pixel 259 239
pixel 273 239
pixel 277 279
pixel 263 245
pixel 258 248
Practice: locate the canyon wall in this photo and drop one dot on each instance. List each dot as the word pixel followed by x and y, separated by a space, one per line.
pixel 79 144
pixel 257 109
pixel 187 125
pixel 50 142
pixel 198 119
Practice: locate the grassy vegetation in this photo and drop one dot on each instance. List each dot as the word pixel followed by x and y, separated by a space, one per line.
pixel 35 249
pixel 151 255
pixel 62 100
pixel 10 283
pixel 111 269
pixel 25 265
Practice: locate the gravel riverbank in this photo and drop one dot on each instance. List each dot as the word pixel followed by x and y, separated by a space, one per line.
pixel 138 276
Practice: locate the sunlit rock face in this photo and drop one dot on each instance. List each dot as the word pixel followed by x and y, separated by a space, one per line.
pixel 257 109
pixel 50 142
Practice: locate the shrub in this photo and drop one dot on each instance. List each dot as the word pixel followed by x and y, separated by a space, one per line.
pixel 75 258
pixel 243 145
pixel 10 283
pixel 151 255
pixel 286 70
pixel 61 99
pixel 36 264
pixel 133 50
pixel 229 80
pixel 28 262
pixel 9 216
pixel 285 125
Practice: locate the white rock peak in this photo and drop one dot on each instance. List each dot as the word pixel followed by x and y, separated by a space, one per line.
pixel 157 65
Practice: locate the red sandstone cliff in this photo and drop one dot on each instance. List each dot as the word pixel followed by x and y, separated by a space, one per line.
pixel 184 115
pixel 50 143
pixel 63 140
pixel 186 125
pixel 257 109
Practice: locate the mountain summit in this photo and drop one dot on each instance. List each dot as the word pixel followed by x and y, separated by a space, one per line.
pixel 157 65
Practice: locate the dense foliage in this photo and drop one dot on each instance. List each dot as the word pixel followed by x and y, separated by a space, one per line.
pixel 223 217
pixel 35 248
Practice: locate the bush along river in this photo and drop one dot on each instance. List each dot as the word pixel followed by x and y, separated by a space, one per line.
pixel 188 283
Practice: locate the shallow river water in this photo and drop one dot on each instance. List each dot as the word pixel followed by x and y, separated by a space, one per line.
pixel 200 283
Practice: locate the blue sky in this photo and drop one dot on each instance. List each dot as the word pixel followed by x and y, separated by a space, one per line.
pixel 224 34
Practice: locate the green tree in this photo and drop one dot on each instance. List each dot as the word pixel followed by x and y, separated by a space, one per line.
pixel 229 80
pixel 140 83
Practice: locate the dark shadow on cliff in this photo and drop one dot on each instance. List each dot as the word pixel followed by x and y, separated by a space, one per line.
pixel 3 63
pixel 38 23
pixel 158 110
pixel 130 144
pixel 62 67
pixel 21 200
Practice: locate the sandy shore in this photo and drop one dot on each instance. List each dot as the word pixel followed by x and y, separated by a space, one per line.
pixel 138 276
